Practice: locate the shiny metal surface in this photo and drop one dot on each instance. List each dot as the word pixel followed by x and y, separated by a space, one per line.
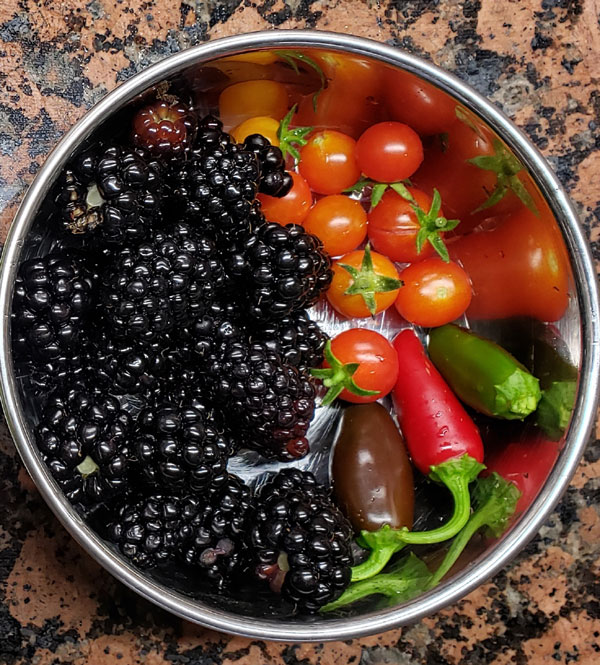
pixel 479 570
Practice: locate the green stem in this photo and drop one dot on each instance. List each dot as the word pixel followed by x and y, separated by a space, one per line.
pixel 376 562
pixel 386 585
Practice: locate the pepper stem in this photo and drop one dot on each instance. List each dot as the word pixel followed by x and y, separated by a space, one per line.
pixel 376 562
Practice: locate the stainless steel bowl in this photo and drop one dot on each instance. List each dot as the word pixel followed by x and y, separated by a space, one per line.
pixel 583 328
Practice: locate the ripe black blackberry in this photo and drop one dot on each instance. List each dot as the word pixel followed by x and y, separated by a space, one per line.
pixel 166 281
pixel 165 128
pixel 83 437
pixel 269 403
pixel 300 541
pixel 215 189
pixel 52 297
pixel 213 535
pixel 112 193
pixel 279 270
pixel 298 340
pixel 274 179
pixel 182 447
pixel 146 529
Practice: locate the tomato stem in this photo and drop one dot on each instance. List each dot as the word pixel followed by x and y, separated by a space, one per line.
pixel 290 138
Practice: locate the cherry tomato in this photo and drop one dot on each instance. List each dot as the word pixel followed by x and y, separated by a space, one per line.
pixel 393 226
pixel 434 293
pixel 389 152
pixel 417 103
pixel 262 124
pixel 340 223
pixel 377 284
pixel 377 363
pixel 255 57
pixel 328 162
pixel 250 99
pixel 291 208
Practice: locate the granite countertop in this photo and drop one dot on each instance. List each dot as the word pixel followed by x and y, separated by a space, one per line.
pixel 538 60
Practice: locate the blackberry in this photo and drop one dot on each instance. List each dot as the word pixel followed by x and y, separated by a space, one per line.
pixel 165 128
pixel 300 541
pixel 146 529
pixel 298 340
pixel 274 179
pixel 182 447
pixel 52 296
pixel 112 193
pixel 215 189
pixel 168 280
pixel 279 270
pixel 269 403
pixel 213 535
pixel 83 437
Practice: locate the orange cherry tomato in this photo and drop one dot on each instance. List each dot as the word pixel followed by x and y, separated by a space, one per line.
pixel 291 208
pixel 355 305
pixel 389 152
pixel 340 223
pixel 417 103
pixel 262 124
pixel 328 162
pixel 250 99
pixel 434 293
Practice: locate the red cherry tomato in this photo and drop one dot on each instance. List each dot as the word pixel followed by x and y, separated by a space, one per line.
pixel 377 362
pixel 291 208
pixel 434 293
pixel 328 162
pixel 389 152
pixel 340 223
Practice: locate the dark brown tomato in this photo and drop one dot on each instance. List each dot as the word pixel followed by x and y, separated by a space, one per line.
pixel 372 475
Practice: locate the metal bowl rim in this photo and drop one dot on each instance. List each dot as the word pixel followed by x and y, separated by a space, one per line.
pixel 486 565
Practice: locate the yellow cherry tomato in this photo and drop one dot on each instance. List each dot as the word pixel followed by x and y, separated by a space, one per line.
pixel 262 124
pixel 250 99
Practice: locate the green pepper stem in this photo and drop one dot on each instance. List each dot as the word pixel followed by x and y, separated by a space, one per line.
pixel 376 562
pixel 386 585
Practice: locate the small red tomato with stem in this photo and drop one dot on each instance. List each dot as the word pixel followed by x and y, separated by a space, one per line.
pixel 291 208
pixel 359 366
pixel 328 162
pixel 364 283
pixel 340 222
pixel 407 224
pixel 389 152
pixel 434 292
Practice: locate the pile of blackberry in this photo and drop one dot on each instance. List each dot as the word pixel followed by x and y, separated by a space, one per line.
pixel 167 330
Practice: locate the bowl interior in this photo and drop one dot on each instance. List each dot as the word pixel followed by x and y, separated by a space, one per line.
pixel 357 91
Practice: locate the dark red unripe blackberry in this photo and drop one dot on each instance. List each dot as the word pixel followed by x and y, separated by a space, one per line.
pixel 166 281
pixel 268 402
pixel 213 535
pixel 83 436
pixel 280 270
pixel 182 447
pixel 52 297
pixel 274 179
pixel 146 529
pixel 111 194
pixel 300 541
pixel 296 338
pixel 164 128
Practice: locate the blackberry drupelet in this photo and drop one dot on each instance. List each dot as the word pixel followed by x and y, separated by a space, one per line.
pixel 213 535
pixel 52 296
pixel 300 541
pixel 215 189
pixel 269 403
pixel 146 529
pixel 112 193
pixel 165 128
pixel 298 340
pixel 279 270
pixel 167 281
pixel 274 179
pixel 83 436
pixel 182 447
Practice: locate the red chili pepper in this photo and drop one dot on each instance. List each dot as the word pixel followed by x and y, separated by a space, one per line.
pixel 443 442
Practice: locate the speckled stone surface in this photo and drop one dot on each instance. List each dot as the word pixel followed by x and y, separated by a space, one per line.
pixel 538 60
